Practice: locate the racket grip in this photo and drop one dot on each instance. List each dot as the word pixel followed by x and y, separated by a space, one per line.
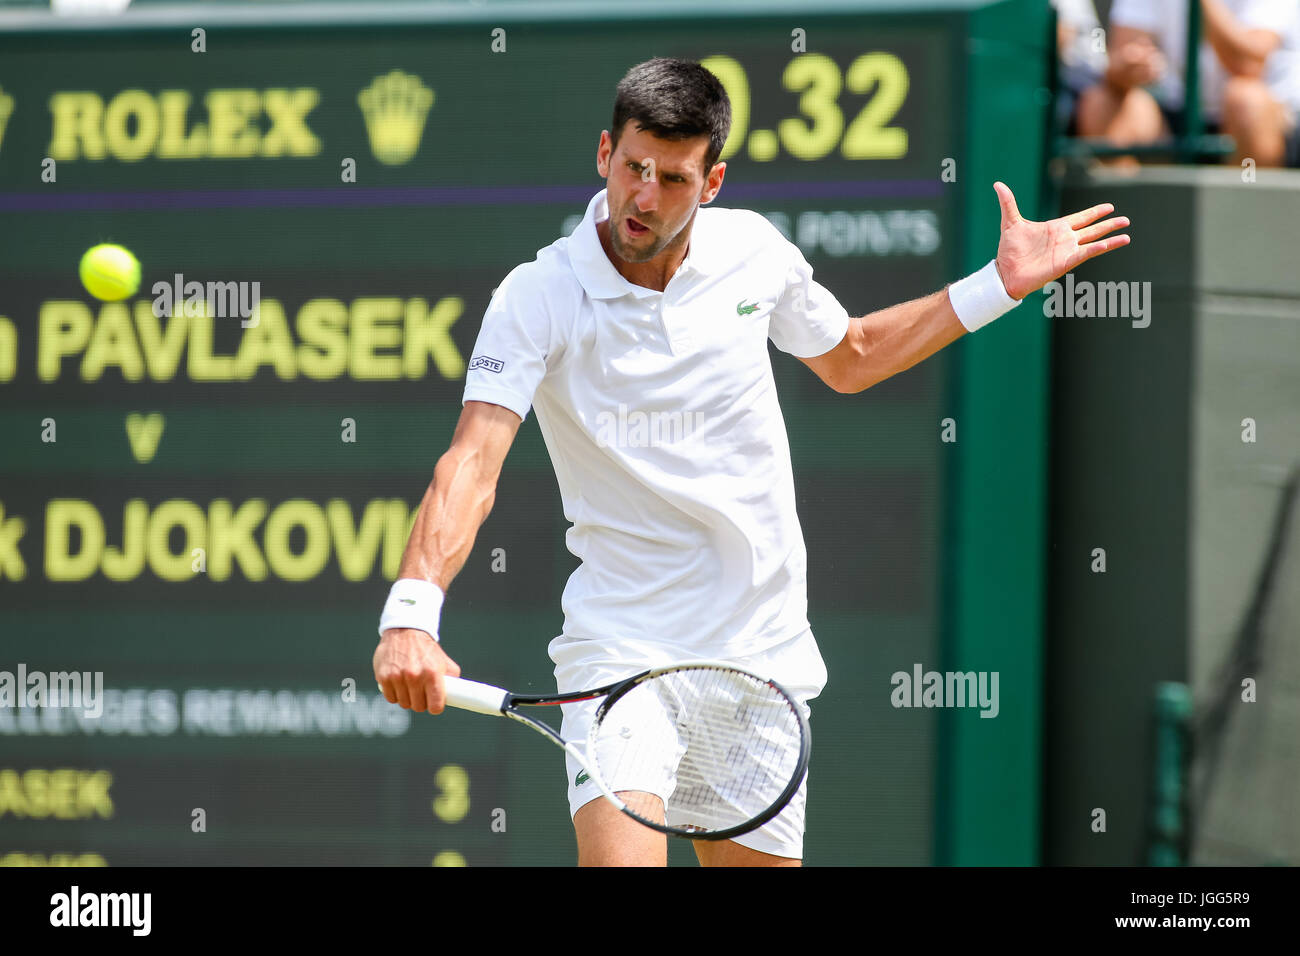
pixel 471 695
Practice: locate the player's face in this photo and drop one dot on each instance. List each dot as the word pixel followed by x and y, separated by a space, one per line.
pixel 653 188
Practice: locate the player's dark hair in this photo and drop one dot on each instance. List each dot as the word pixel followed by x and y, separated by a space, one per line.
pixel 674 99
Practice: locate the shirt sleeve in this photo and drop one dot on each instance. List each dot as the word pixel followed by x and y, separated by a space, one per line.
pixel 807 320
pixel 513 346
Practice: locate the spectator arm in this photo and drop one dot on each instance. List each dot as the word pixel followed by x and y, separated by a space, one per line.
pixel 1242 50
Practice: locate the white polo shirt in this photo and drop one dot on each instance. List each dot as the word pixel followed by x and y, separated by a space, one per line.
pixel 660 415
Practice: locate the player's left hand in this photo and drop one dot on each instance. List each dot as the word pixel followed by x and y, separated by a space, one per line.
pixel 1032 254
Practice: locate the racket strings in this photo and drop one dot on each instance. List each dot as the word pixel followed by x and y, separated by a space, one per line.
pixel 720 745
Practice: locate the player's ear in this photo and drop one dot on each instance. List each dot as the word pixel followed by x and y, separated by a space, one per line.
pixel 713 184
pixel 604 147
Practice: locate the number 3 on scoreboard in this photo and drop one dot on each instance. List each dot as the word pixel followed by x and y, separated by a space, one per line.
pixel 452 802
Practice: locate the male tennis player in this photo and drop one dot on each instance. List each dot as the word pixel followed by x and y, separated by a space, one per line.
pixel 641 340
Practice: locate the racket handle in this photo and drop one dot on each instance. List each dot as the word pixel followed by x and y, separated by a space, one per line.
pixel 471 695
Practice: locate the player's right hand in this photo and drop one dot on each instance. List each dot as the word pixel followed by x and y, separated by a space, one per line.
pixel 409 668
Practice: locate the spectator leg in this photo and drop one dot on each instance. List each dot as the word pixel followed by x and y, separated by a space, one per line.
pixel 1255 120
pixel 1125 117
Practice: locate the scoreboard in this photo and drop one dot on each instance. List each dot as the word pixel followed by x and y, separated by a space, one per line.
pixel 201 513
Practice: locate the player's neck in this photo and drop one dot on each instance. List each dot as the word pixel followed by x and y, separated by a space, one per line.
pixel 654 274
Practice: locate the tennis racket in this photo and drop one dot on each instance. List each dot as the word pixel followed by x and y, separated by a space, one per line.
pixel 723 749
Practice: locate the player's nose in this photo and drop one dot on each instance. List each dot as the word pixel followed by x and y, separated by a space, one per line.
pixel 646 198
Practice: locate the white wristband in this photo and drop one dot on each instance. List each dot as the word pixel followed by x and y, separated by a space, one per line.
pixel 981 297
pixel 415 604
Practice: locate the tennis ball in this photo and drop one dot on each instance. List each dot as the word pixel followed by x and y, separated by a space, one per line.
pixel 110 272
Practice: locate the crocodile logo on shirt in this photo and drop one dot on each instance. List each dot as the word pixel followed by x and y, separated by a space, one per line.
pixel 581 778
pixel 742 309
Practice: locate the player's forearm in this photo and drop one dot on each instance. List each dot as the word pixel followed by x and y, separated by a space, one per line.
pixel 457 502
pixel 1242 50
pixel 894 339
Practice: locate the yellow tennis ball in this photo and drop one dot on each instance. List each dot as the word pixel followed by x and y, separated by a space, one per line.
pixel 110 272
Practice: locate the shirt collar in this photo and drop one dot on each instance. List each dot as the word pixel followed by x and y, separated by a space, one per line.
pixel 597 274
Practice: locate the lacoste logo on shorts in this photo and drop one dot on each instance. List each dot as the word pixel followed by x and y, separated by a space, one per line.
pixel 487 362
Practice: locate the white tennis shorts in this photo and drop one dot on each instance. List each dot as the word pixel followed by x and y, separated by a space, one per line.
pixel 796 664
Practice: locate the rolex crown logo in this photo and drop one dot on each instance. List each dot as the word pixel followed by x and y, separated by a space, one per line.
pixel 395 108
